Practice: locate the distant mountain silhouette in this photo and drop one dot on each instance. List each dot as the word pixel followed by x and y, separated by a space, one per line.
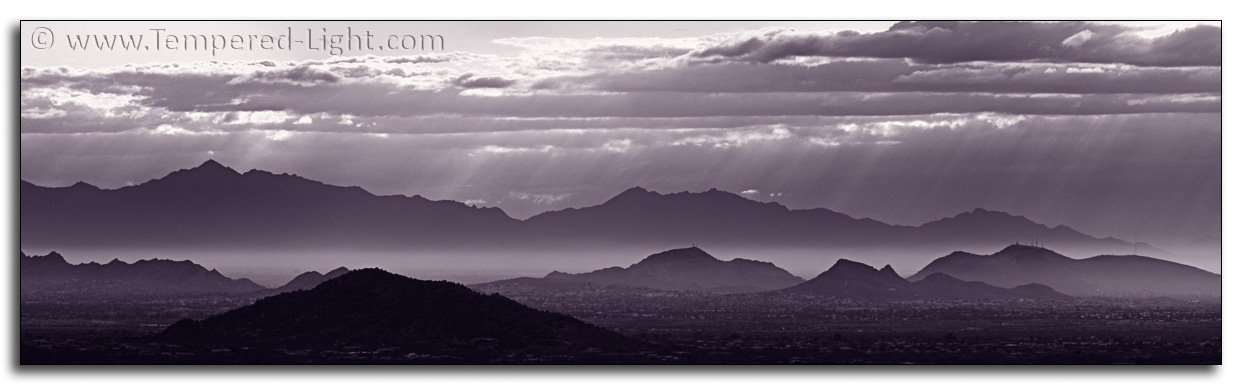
pixel 214 206
pixel 156 275
pixel 849 279
pixel 1105 275
pixel 943 286
pixel 372 307
pixel 716 216
pixel 679 269
pixel 309 280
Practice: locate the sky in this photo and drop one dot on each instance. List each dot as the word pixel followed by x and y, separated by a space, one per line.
pixel 1113 129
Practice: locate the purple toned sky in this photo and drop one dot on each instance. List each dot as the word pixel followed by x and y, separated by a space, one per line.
pixel 1113 129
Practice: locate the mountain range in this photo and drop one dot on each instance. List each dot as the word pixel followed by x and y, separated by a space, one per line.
pixel 1016 272
pixel 215 207
pixel 375 308
pixel 689 269
pixel 1104 275
pixel 849 279
pixel 51 271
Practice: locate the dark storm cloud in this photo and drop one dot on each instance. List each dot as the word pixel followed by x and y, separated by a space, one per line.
pixel 302 74
pixel 471 81
pixel 956 42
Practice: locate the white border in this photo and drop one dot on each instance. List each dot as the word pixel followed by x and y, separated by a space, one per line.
pixel 635 9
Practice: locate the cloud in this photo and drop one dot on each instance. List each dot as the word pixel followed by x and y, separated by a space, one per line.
pixel 303 74
pixel 471 81
pixel 896 75
pixel 1078 39
pixel 957 42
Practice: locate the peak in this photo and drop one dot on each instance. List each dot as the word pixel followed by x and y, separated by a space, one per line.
pixel 979 211
pixel 52 256
pixel 888 270
pixel 634 192
pixel 1018 247
pixel 83 185
pixel 211 163
pixel 691 249
pixel 372 274
pixel 689 253
pixel 213 166
pixel 845 265
pixel 1026 251
pixel 336 272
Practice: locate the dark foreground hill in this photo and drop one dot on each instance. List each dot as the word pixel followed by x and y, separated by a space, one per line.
pixel 679 269
pixel 52 272
pixel 1105 275
pixel 372 308
pixel 849 279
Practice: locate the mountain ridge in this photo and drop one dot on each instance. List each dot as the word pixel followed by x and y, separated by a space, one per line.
pixel 52 271
pixel 854 280
pixel 686 269
pixel 1106 275
pixel 213 206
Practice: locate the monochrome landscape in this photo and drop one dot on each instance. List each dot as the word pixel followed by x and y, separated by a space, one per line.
pixel 631 193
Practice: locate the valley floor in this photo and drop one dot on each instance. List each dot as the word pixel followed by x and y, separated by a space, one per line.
pixel 685 328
